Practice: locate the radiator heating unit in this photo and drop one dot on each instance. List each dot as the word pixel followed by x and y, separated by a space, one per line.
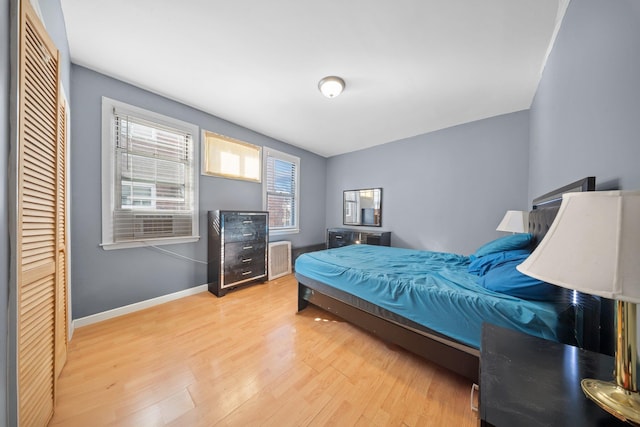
pixel 279 259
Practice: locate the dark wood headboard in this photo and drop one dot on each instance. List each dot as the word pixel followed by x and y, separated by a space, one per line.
pixel 545 207
pixel 587 320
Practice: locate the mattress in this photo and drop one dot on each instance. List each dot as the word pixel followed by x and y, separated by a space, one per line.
pixel 432 289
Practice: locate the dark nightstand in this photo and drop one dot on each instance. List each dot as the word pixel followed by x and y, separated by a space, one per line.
pixel 529 381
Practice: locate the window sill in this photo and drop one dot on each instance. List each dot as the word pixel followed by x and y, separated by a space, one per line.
pixel 150 242
pixel 279 232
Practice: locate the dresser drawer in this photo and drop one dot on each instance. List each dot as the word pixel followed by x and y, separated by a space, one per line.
pixel 251 269
pixel 239 220
pixel 240 252
pixel 246 234
pixel 238 227
pixel 339 239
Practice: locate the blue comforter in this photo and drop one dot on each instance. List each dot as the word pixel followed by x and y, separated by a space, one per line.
pixel 433 289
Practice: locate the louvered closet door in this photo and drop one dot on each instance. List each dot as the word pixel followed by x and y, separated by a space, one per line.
pixel 62 263
pixel 38 199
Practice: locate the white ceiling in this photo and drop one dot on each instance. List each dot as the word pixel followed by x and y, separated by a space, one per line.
pixel 410 66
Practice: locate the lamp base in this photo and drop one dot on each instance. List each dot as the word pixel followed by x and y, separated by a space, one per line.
pixel 621 403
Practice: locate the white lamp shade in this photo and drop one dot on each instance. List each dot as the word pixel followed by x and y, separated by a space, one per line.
pixel 331 86
pixel 593 246
pixel 515 222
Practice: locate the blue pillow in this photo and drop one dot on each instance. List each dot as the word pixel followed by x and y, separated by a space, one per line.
pixel 480 266
pixel 506 243
pixel 506 279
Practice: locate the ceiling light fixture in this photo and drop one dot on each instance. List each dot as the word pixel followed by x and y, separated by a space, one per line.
pixel 331 86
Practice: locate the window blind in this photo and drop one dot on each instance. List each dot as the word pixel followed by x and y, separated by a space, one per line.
pixel 281 178
pixel 153 188
pixel 230 158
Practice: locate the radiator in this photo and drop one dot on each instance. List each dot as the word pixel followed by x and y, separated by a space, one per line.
pixel 279 259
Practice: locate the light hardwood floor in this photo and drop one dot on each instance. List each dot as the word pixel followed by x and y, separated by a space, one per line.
pixel 249 359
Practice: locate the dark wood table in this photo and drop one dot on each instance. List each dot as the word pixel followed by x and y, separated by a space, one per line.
pixel 529 381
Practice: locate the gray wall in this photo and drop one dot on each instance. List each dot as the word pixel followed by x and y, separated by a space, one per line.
pixel 442 191
pixel 102 280
pixel 585 119
pixel 4 203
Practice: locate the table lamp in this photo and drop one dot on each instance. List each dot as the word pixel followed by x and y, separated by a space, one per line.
pixel 593 246
pixel 515 222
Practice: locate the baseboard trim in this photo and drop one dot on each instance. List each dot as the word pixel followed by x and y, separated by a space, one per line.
pixel 132 308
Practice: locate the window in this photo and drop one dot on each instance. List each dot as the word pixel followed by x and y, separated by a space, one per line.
pixel 138 195
pixel 281 191
pixel 230 158
pixel 149 185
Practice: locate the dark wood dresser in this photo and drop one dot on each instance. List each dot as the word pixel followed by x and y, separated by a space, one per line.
pixel 337 237
pixel 238 246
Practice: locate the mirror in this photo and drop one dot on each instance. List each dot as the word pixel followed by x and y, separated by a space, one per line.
pixel 362 207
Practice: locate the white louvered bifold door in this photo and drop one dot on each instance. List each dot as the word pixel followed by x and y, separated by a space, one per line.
pixel 39 204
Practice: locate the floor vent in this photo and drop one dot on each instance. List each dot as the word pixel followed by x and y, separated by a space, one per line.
pixel 279 259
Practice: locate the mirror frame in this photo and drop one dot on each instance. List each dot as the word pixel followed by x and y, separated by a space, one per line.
pixel 360 223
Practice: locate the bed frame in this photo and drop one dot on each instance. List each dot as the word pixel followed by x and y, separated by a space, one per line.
pixel 431 345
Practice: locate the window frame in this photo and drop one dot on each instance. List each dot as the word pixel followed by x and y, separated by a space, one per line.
pixel 108 161
pixel 270 152
pixel 204 169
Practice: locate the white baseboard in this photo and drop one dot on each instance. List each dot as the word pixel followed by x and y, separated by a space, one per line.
pixel 131 308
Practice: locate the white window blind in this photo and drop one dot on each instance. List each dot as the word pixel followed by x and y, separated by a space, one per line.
pixel 281 191
pixel 230 158
pixel 152 186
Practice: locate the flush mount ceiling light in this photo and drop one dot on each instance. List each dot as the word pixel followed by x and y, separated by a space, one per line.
pixel 331 86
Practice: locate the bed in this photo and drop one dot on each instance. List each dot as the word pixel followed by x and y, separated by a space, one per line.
pixel 434 303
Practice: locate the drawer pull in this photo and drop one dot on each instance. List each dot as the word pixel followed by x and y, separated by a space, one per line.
pixel 247 222
pixel 247 247
pixel 474 388
pixel 247 260
pixel 246 273
pixel 247 234
pixel 338 237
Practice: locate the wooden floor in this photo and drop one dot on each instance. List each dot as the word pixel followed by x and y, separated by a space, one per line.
pixel 249 359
